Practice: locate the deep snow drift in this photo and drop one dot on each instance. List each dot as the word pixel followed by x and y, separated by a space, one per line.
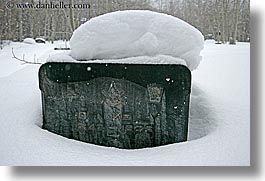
pixel 219 125
pixel 133 33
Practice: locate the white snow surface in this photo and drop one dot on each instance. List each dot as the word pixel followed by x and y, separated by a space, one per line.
pixel 133 33
pixel 158 59
pixel 38 53
pixel 219 124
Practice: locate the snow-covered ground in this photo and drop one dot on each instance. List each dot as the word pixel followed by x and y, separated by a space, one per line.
pixel 219 131
pixel 38 53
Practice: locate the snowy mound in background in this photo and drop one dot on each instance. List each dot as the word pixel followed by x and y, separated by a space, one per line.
pixel 29 41
pixel 133 33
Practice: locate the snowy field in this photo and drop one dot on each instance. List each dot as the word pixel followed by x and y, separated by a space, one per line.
pixel 219 130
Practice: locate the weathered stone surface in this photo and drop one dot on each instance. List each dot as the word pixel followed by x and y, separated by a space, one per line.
pixel 118 105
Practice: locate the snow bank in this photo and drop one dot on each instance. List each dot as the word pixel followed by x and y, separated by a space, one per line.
pixel 29 41
pixel 133 33
pixel 219 125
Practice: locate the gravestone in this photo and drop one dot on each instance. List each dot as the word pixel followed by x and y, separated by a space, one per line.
pixel 40 40
pixel 126 106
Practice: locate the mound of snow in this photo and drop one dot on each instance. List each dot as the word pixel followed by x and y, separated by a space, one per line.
pixel 133 33
pixel 29 41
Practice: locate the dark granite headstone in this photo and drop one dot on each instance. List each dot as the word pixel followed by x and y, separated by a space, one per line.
pixel 119 105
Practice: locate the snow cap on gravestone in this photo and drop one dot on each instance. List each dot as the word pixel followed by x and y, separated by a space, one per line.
pixel 133 33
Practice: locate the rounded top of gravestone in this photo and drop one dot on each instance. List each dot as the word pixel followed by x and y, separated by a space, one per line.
pixel 134 33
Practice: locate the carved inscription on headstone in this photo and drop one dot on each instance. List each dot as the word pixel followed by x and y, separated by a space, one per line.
pixel 115 112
